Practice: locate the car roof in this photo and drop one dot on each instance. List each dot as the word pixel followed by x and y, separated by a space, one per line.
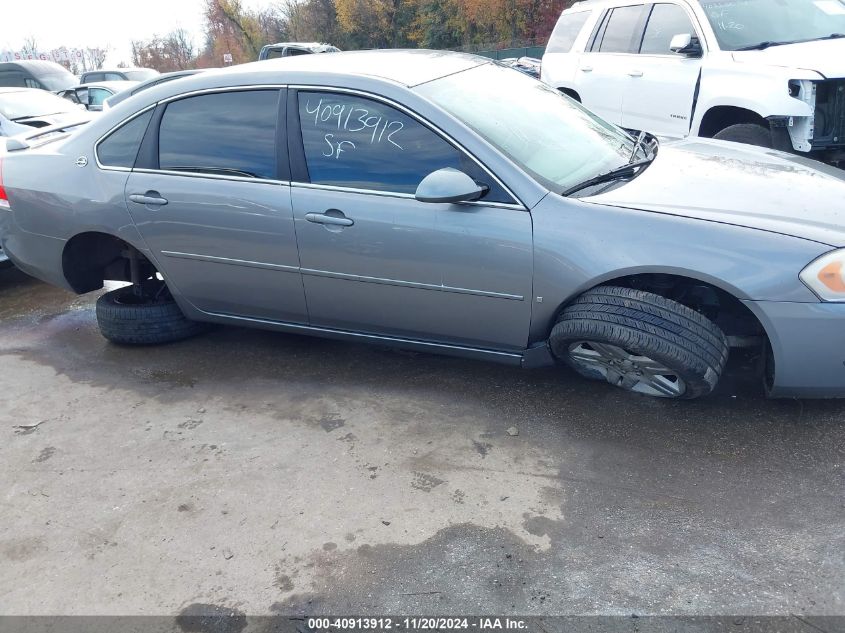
pixel 407 67
pixel 297 44
pixel 111 85
pixel 584 5
pixel 114 70
pixel 41 65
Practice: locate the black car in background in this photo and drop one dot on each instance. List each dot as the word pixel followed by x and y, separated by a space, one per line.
pixel 289 49
pixel 118 74
pixel 32 73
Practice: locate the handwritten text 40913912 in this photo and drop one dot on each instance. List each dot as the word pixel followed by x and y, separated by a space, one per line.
pixel 355 120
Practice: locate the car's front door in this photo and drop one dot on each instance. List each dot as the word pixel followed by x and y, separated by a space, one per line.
pixel 376 260
pixel 660 95
pixel 602 76
pixel 210 196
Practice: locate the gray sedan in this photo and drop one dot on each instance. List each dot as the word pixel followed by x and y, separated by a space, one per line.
pixel 438 202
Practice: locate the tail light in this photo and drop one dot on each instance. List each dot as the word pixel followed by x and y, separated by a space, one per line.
pixel 4 199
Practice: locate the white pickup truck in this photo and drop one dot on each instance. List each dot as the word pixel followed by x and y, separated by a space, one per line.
pixel 764 72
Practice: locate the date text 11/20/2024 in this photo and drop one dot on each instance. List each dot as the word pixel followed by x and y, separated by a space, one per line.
pixel 416 624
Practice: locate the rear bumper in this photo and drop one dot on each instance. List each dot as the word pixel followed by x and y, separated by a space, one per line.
pixel 37 255
pixel 808 345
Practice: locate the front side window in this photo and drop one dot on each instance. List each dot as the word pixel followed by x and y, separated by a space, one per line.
pixel 120 148
pixel 622 25
pixel 96 96
pixel 58 81
pixel 356 142
pixel 750 23
pixel 227 133
pixel 92 77
pixel 566 32
pixel 548 135
pixel 113 77
pixel 666 21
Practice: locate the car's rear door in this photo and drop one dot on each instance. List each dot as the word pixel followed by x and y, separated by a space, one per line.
pixel 211 198
pixel 376 260
pixel 603 72
pixel 661 91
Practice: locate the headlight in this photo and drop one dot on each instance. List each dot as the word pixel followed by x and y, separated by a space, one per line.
pixel 826 276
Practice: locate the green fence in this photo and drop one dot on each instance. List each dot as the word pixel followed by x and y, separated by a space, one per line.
pixel 525 51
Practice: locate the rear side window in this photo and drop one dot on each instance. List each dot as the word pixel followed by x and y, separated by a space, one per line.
pixel 622 27
pixel 92 77
pixel 360 143
pixel 566 32
pixel 113 77
pixel 12 79
pixel 666 21
pixel 227 133
pixel 120 148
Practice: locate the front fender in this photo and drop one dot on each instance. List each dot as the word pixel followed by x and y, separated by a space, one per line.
pixel 764 91
pixel 580 245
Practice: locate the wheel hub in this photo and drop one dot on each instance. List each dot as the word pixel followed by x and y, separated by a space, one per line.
pixel 630 371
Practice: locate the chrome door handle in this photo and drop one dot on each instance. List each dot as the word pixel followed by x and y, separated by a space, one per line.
pixel 151 198
pixel 333 219
pixel 586 69
pixel 635 73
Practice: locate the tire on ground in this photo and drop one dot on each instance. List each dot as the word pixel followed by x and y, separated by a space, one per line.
pixel 125 320
pixel 748 133
pixel 644 324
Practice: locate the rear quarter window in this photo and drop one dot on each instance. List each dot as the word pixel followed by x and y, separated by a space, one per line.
pixel 622 27
pixel 566 32
pixel 120 148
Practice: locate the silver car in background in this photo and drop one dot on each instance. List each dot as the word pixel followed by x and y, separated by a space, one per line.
pixel 440 202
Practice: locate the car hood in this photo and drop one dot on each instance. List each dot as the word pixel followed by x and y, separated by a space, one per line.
pixel 741 185
pixel 826 57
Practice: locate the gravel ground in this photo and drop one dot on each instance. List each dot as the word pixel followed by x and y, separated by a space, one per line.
pixel 264 473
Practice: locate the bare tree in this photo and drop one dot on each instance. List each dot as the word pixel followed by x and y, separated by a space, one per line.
pixel 30 46
pixel 179 49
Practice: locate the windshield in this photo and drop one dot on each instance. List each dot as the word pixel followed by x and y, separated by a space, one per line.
pixel 747 23
pixel 33 103
pixel 548 135
pixel 58 81
pixel 140 75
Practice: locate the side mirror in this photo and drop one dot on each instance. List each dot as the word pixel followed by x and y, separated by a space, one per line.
pixel 686 44
pixel 449 185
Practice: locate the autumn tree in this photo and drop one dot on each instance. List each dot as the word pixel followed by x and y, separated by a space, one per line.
pixel 174 51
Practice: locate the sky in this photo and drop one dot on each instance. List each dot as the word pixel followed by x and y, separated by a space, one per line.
pixel 111 24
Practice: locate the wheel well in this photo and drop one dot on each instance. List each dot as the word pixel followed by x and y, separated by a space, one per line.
pixel 569 92
pixel 91 258
pixel 739 324
pixel 717 119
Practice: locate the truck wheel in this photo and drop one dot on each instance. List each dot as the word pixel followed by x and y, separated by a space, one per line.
pixel 748 133
pixel 151 319
pixel 641 342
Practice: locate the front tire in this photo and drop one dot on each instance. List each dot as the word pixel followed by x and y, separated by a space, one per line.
pixel 749 134
pixel 153 318
pixel 641 342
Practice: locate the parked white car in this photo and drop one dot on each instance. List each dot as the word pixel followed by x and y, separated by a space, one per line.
pixel 765 72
